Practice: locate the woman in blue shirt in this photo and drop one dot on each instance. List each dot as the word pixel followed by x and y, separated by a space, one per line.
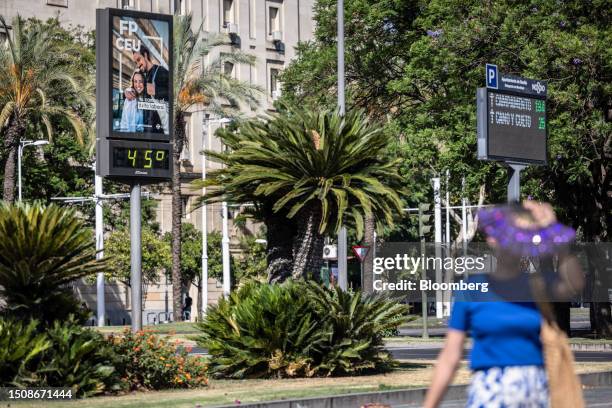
pixel 506 357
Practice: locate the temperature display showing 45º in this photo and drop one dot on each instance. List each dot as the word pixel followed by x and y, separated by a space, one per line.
pixel 141 158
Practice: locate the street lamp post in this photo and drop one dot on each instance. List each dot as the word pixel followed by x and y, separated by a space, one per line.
pixel 225 239
pixel 22 145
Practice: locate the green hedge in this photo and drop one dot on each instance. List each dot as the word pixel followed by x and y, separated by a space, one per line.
pixel 69 355
pixel 298 329
pixel 64 355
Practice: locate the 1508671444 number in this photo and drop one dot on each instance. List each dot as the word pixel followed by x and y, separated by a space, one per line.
pixel 45 393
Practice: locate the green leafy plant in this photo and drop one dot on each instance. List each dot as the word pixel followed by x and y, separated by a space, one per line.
pixel 145 361
pixel 21 346
pixel 312 170
pixel 297 329
pixel 78 358
pixel 43 249
pixel 64 355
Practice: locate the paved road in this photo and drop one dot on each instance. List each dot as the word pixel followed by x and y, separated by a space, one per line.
pixel 598 397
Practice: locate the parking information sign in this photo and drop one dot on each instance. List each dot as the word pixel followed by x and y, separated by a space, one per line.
pixel 134 95
pixel 512 125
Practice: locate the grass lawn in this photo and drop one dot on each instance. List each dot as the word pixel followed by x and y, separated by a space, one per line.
pixel 417 322
pixel 410 374
pixel 167 328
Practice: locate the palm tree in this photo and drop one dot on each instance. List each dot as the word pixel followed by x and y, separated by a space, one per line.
pixel 42 251
pixel 38 74
pixel 198 84
pixel 307 173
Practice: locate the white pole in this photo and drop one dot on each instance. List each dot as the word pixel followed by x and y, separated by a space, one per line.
pixel 19 153
pixel 342 240
pixel 447 207
pixel 226 253
pixel 100 296
pixel 447 303
pixel 204 222
pixel 463 209
pixel 438 242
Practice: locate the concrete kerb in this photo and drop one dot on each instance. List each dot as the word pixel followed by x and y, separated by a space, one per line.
pixel 594 347
pixel 406 396
pixel 591 347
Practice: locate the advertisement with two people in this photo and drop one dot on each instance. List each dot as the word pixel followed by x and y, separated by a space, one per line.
pixel 140 76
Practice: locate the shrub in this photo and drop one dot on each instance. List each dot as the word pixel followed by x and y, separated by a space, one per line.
pixel 79 358
pixel 297 329
pixel 43 250
pixel 66 355
pixel 146 361
pixel 21 347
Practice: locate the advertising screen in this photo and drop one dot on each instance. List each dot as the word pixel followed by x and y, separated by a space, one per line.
pixel 141 82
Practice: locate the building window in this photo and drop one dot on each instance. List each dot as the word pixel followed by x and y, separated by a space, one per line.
pixel 252 74
pixel 4 36
pixel 228 12
pixel 58 3
pixel 273 19
pixel 252 21
pixel 180 7
pixel 186 153
pixel 275 86
pixel 125 4
pixel 228 69
pixel 185 202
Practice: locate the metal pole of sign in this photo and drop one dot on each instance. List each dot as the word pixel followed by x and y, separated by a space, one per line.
pixel 514 182
pixel 363 289
pixel 19 153
pixel 136 277
pixel 424 303
pixel 342 244
pixel 100 299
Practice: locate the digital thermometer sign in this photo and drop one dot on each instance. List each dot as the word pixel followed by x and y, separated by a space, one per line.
pixel 139 158
pixel 149 160
pixel 134 96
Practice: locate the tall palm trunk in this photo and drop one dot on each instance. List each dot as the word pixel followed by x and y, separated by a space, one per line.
pixel 368 265
pixel 177 215
pixel 11 143
pixel 308 245
pixel 280 233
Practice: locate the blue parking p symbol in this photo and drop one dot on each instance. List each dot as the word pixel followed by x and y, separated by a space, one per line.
pixel 491 71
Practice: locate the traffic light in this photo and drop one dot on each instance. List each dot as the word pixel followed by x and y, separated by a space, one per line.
pixel 424 220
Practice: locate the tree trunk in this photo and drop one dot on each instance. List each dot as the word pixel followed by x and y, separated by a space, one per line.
pixel 308 245
pixel 177 215
pixel 368 263
pixel 280 233
pixel 11 143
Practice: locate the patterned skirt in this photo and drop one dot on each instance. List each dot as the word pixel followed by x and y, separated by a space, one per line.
pixel 509 387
